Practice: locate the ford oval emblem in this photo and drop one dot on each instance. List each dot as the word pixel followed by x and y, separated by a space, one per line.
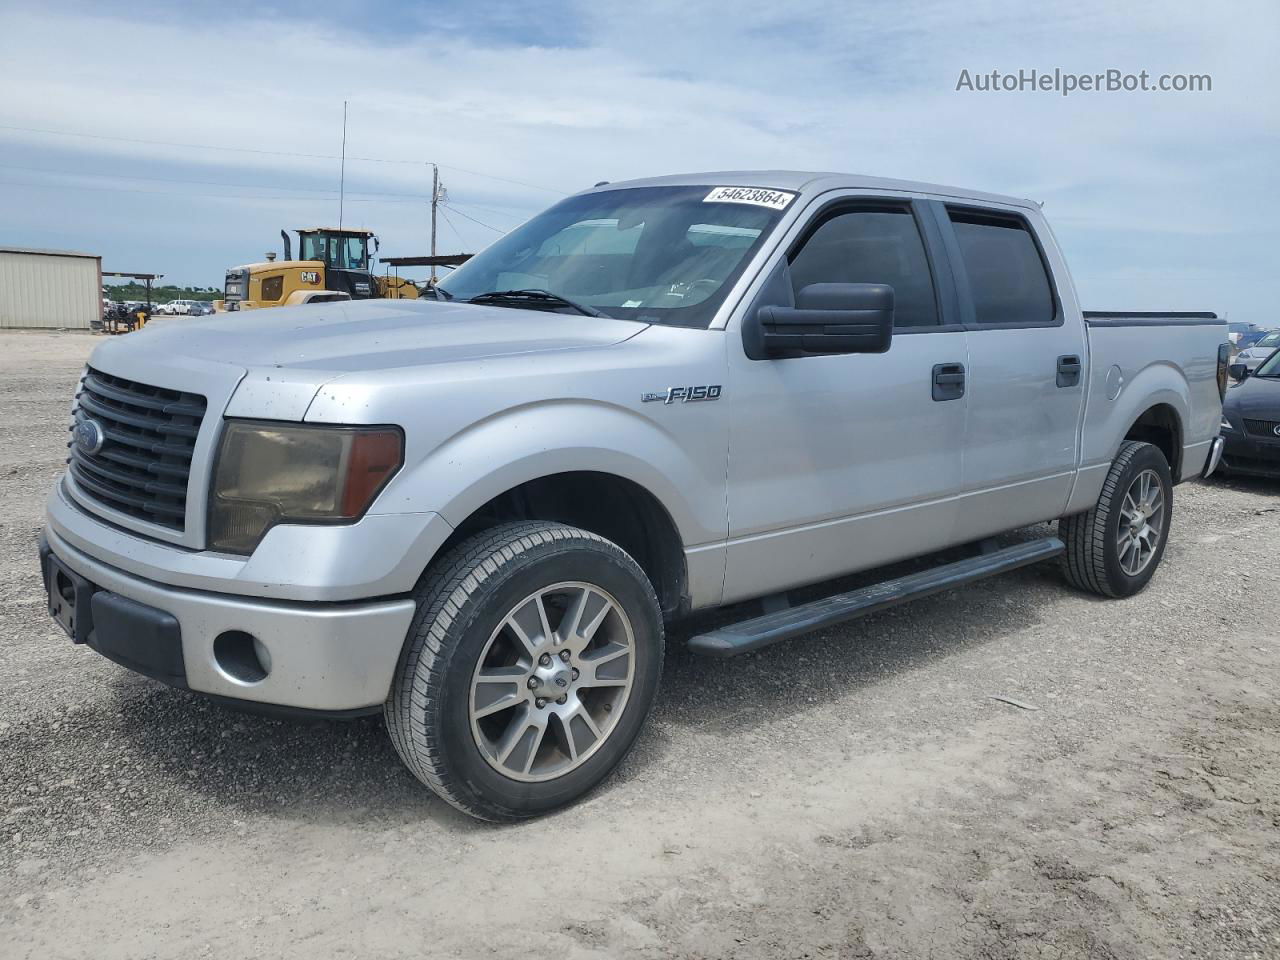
pixel 1276 429
pixel 89 436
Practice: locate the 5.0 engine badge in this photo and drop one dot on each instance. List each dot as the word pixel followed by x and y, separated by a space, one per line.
pixel 683 394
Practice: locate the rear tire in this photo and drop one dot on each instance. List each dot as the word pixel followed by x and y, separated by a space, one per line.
pixel 529 668
pixel 1114 549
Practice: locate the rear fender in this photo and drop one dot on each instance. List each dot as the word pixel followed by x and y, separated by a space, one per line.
pixel 1107 422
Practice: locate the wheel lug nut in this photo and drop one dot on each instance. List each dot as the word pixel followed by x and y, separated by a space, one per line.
pixel 564 655
pixel 542 702
pixel 534 683
pixel 545 659
pixel 564 699
pixel 575 673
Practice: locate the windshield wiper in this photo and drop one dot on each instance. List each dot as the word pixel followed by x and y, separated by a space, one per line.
pixel 440 293
pixel 533 295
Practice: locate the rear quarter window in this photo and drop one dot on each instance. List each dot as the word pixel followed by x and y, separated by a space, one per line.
pixel 1007 277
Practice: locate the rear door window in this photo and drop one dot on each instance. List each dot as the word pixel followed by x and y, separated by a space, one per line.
pixel 1007 277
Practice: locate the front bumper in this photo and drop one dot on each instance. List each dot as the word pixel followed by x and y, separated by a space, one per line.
pixel 332 658
pixel 1243 454
pixel 381 555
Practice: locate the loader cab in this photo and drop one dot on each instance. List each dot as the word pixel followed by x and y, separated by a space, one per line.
pixel 345 255
pixel 337 249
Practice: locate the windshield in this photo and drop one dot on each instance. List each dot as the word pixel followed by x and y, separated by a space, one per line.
pixel 1270 367
pixel 1271 340
pixel 653 254
pixel 339 252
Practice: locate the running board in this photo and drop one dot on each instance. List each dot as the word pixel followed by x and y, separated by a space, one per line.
pixel 747 635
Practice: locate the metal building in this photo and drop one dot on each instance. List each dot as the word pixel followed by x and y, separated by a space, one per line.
pixel 49 288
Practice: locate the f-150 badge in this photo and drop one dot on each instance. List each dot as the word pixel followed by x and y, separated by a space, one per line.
pixel 683 394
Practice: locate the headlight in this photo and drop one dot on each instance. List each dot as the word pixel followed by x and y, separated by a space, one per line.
pixel 271 473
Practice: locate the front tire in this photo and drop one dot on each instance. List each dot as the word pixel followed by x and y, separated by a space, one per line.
pixel 528 671
pixel 1114 549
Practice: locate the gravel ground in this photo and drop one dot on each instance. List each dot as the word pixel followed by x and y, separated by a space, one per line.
pixel 855 794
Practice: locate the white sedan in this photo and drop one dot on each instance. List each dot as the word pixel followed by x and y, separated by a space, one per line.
pixel 1253 356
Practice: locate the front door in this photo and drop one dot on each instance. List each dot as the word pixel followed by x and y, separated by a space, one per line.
pixel 841 463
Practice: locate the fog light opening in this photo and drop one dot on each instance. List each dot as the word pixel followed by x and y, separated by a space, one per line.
pixel 242 656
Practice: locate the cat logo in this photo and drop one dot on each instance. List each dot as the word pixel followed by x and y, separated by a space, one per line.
pixel 310 276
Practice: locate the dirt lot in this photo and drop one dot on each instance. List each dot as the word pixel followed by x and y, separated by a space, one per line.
pixel 856 794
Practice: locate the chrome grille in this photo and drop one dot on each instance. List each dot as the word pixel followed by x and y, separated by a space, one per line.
pixel 1263 428
pixel 144 461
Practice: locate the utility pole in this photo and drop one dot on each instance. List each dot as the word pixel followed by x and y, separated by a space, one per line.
pixel 342 174
pixel 435 202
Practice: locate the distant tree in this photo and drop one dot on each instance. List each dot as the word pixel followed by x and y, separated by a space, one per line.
pixel 160 294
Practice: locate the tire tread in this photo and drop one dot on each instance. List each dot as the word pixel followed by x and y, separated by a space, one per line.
pixel 441 597
pixel 1084 563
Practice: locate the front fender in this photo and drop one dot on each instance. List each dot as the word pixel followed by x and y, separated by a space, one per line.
pixel 537 440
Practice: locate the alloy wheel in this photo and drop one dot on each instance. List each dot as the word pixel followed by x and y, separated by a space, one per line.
pixel 552 681
pixel 1142 522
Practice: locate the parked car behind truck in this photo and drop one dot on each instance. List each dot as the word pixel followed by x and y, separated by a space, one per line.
pixel 1253 355
pixel 1251 419
pixel 477 513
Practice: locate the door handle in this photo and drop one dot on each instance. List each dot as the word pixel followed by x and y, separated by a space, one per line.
pixel 1068 371
pixel 948 381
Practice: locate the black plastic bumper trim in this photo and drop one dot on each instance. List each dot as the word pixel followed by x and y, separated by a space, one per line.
pixel 143 638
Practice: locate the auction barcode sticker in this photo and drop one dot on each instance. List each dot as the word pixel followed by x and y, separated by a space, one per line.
pixel 758 196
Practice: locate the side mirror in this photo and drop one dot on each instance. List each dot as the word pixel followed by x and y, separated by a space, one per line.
pixel 829 318
pixel 1239 372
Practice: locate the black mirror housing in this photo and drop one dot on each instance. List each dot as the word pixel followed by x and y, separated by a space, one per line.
pixel 1239 372
pixel 828 318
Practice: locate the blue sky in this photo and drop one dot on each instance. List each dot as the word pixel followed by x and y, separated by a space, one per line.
pixel 1162 200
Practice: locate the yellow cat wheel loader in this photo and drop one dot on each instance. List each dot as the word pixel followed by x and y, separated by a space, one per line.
pixel 333 265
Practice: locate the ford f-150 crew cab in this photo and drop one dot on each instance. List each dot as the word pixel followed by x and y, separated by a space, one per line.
pixel 477 513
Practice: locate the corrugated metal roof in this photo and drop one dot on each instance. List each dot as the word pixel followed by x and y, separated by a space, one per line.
pixel 50 253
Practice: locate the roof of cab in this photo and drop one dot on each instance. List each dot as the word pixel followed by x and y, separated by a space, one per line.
pixel 811 182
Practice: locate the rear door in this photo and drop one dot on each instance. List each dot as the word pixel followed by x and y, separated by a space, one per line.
pixel 1027 369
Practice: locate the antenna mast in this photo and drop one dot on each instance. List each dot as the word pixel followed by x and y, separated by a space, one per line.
pixel 342 170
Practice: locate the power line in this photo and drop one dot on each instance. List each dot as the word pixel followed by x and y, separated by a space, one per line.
pixel 490 176
pixel 445 214
pixel 201 146
pixel 473 219
pixel 208 183
pixel 177 193
pixel 272 153
pixel 496 213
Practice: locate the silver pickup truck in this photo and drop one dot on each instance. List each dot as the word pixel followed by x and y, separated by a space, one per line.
pixel 477 513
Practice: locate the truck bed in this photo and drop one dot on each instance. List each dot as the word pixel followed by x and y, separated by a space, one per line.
pixel 1131 369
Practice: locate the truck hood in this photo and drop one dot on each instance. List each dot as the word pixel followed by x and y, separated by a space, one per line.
pixel 338 338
